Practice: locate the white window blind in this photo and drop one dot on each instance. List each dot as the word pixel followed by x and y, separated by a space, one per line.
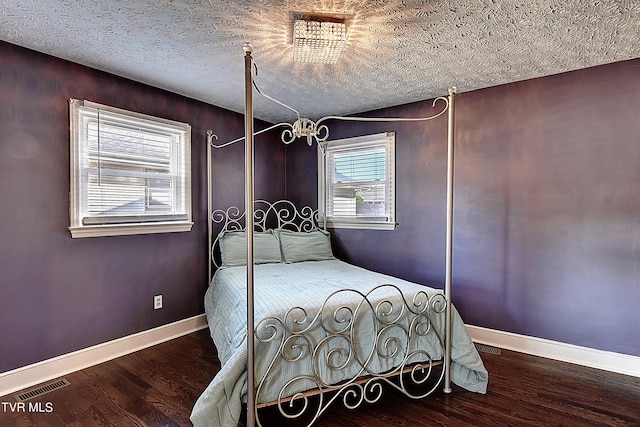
pixel 128 170
pixel 357 184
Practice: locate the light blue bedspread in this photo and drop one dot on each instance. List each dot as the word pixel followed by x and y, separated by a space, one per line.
pixel 278 287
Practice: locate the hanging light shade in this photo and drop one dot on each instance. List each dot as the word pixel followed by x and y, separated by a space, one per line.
pixel 318 42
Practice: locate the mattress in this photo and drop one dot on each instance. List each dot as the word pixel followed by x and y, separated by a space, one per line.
pixel 278 288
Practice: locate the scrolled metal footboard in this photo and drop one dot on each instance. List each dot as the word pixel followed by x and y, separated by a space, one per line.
pixel 349 348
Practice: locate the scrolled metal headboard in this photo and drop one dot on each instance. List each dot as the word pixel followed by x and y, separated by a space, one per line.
pixel 281 214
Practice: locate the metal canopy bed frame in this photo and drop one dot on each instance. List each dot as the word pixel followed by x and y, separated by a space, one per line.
pixel 293 331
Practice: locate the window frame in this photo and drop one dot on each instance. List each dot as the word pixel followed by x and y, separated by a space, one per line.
pixel 84 225
pixel 367 142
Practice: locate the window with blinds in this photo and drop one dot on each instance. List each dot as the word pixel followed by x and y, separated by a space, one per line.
pixel 357 181
pixel 130 172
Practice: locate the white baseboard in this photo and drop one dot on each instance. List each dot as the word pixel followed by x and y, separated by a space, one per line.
pixel 608 361
pixel 28 376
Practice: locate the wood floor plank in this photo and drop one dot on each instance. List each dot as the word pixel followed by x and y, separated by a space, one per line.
pixel 159 385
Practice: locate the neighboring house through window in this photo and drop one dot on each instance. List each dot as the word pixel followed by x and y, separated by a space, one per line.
pixel 356 181
pixel 130 173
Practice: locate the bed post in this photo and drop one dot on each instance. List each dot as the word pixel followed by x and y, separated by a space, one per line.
pixel 449 238
pixel 210 136
pixel 249 213
pixel 322 197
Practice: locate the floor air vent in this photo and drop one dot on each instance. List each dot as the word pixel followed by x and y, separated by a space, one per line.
pixel 487 349
pixel 39 391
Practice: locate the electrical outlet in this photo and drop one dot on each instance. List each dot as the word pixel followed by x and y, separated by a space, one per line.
pixel 157 302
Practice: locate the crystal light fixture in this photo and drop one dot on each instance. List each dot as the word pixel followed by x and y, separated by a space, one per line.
pixel 318 42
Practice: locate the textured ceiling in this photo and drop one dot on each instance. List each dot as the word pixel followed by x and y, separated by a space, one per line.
pixel 396 51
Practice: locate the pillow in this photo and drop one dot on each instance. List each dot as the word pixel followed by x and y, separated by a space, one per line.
pixel 233 248
pixel 298 246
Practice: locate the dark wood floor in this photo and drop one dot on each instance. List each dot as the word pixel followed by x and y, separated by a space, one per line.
pixel 158 386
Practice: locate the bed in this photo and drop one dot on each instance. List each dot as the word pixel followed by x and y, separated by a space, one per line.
pixel 321 330
pixel 326 328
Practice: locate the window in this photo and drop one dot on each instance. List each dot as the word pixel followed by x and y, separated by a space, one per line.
pixel 130 173
pixel 356 182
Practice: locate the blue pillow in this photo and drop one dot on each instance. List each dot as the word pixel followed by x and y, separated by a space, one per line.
pixel 233 248
pixel 298 246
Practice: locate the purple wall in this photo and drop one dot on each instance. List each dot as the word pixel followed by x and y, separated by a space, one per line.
pixel 59 294
pixel 547 230
pixel 547 205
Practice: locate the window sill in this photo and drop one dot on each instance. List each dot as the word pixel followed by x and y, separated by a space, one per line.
pixel 129 229
pixel 363 225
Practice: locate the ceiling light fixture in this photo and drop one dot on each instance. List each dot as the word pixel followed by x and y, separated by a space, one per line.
pixel 318 42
